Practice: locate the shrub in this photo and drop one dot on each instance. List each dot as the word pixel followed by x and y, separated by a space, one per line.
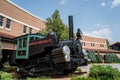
pixel 104 72
pixel 99 58
pixel 5 76
pixel 92 56
pixel 78 78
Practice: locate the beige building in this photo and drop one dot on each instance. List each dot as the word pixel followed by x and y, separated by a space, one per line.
pixel 15 21
pixel 97 44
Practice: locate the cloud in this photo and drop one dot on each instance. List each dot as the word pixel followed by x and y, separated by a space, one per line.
pixel 103 4
pixel 115 3
pixel 63 2
pixel 103 33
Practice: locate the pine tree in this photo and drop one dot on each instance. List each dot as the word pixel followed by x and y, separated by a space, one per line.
pixel 99 57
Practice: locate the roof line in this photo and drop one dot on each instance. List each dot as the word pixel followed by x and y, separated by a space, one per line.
pixel 24 10
pixel 95 37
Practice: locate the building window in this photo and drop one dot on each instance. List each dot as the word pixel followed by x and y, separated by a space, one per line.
pixel 101 45
pixel 30 30
pixel 92 44
pixel 8 23
pixel 1 20
pixel 24 29
pixel 83 43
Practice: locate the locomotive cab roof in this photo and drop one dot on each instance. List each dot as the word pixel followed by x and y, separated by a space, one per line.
pixel 35 34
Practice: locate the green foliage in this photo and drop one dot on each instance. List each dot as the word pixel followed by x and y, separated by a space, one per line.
pixel 111 58
pixel 55 24
pixel 108 44
pixel 101 72
pixel 78 78
pixel 5 76
pixel 99 58
pixel 92 56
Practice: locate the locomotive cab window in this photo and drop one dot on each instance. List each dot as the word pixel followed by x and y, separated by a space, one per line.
pixel 31 38
pixel 20 43
pixel 24 42
pixel 22 47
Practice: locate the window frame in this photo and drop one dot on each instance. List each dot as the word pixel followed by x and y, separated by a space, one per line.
pixel 83 44
pixel 92 44
pixel 101 45
pixel 24 29
pixel 30 30
pixel 8 24
pixel 1 21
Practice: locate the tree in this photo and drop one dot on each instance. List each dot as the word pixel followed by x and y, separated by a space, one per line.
pixel 55 24
pixel 108 44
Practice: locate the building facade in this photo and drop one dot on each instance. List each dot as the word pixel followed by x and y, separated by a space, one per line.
pixel 97 45
pixel 15 21
pixel 94 43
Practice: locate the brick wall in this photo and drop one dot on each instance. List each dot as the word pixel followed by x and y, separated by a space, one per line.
pixel 18 18
pixel 94 42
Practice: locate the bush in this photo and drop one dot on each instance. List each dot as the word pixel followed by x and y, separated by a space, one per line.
pixel 92 56
pixel 78 78
pixel 99 58
pixel 5 76
pixel 104 72
pixel 111 58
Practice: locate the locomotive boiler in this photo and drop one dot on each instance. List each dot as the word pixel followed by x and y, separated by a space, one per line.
pixel 37 54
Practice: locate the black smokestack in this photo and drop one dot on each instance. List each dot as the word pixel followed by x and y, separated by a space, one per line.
pixel 70 19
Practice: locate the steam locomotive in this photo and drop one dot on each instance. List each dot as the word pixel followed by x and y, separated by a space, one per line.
pixel 37 54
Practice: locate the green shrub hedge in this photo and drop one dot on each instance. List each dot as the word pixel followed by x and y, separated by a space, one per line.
pixel 101 72
pixel 108 58
pixel 111 58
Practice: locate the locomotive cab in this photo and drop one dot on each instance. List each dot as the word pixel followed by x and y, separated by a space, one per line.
pixel 23 42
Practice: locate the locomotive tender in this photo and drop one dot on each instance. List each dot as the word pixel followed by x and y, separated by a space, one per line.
pixel 37 54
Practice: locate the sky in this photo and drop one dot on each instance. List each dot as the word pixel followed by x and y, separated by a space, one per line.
pixel 97 18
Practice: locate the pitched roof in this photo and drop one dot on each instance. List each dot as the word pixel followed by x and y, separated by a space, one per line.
pixel 116 44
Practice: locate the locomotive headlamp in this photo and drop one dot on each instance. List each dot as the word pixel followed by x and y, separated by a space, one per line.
pixel 66 50
pixel 67 58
